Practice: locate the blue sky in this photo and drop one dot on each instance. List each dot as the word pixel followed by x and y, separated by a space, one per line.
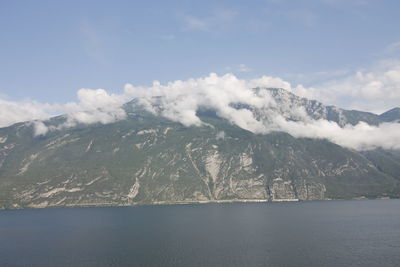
pixel 87 58
pixel 50 49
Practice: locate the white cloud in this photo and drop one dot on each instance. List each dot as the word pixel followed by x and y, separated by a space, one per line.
pixel 220 135
pixel 180 100
pixel 39 128
pixel 272 82
pixel 12 112
pixel 243 68
pixel 377 90
pixel 360 137
pixel 93 106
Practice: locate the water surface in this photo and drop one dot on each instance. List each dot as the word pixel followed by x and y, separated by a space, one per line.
pixel 319 233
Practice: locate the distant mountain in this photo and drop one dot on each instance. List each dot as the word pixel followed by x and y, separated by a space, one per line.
pixel 391 115
pixel 317 110
pixel 147 159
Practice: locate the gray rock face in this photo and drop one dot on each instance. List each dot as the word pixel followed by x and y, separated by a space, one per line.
pixel 286 191
pixel 148 159
pixel 316 110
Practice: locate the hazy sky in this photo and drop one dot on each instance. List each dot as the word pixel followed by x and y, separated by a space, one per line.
pixel 51 49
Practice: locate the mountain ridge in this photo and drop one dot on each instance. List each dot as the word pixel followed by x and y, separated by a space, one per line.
pixel 391 115
pixel 149 159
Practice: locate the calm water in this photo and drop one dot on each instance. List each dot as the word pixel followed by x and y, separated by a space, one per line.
pixel 325 233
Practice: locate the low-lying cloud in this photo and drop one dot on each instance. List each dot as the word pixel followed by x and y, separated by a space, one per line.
pixel 180 100
pixel 93 106
pixel 376 90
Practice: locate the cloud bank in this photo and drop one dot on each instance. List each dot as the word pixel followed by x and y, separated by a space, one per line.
pixel 180 100
pixel 376 90
pixel 93 106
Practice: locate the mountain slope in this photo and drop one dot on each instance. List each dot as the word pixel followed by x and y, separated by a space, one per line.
pixel 149 159
pixel 287 102
pixel 391 115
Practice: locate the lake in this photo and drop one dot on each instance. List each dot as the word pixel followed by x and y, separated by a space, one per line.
pixel 315 233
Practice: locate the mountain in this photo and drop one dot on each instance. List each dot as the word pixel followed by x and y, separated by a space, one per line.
pixel 391 115
pixel 288 101
pixel 147 159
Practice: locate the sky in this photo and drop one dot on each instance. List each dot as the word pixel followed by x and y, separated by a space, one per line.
pixel 61 56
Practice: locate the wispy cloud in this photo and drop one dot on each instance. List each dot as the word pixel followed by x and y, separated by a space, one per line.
pixel 392 48
pixel 216 21
pixel 238 68
pixel 317 76
pixel 244 68
pixel 92 42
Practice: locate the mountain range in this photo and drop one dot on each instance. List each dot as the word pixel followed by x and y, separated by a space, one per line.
pixel 149 159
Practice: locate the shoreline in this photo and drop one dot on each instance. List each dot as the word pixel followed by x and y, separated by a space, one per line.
pixel 194 202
